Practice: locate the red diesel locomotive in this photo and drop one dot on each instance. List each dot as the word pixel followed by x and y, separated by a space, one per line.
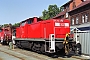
pixel 45 36
pixel 5 36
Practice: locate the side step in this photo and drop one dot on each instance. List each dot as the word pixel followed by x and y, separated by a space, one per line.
pixel 51 44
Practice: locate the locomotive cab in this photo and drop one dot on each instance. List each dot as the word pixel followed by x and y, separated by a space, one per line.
pixel 22 31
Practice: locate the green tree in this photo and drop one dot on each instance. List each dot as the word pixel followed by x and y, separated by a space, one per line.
pixel 61 9
pixel 45 15
pixel 5 25
pixel 52 11
pixel 16 24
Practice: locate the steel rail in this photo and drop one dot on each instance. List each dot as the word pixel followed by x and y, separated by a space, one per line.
pixel 13 55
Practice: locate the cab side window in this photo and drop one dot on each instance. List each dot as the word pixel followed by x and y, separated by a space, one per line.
pixel 30 21
pixel 23 23
pixel 0 30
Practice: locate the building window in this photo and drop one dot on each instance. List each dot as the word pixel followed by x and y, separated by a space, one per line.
pixel 67 15
pixel 74 4
pixel 82 18
pixel 86 17
pixel 67 6
pixel 84 0
pixel 72 21
pixel 76 20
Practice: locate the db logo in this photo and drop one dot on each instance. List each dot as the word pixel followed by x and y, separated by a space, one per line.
pixel 62 24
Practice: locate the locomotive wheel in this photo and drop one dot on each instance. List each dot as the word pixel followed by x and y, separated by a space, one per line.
pixel 42 49
pixel 78 49
pixel 18 44
pixel 30 45
pixel 5 42
pixel 33 47
pixel 37 47
pixel 67 49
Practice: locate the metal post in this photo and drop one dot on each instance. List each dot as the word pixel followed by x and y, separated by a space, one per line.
pixel 76 36
pixel 13 47
pixel 10 45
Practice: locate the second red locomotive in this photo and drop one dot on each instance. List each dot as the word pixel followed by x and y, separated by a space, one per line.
pixel 5 36
pixel 43 36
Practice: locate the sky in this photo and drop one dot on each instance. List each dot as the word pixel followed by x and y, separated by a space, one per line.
pixel 14 11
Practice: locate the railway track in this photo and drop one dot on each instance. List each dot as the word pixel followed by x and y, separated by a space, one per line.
pixel 19 56
pixel 37 56
pixel 44 57
pixel 12 55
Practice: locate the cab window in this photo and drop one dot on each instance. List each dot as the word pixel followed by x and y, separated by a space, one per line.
pixel 30 21
pixel 0 30
pixel 23 23
pixel 6 30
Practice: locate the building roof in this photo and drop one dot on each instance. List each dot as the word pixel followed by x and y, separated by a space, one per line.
pixel 60 14
pixel 81 5
pixel 67 3
pixel 63 12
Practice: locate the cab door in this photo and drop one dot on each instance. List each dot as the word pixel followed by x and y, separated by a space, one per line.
pixel 23 30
